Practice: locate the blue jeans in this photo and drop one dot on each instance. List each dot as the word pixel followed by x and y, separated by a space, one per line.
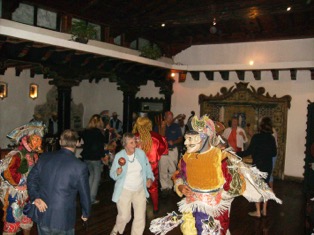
pixel 271 178
pixel 94 168
pixel 48 231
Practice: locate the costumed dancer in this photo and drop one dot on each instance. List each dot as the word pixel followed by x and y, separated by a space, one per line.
pixel 154 145
pixel 210 178
pixel 14 169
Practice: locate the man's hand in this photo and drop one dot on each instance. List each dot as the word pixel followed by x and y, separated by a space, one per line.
pixel 85 224
pixel 242 134
pixel 41 205
pixel 149 183
pixel 185 190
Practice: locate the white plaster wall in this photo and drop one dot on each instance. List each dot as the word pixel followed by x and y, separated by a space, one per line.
pixel 241 53
pixel 97 97
pixel 149 91
pixel 186 94
pixel 18 109
pixel 105 95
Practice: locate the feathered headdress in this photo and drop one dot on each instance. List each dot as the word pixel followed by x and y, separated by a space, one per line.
pixel 204 126
pixel 32 128
pixel 207 128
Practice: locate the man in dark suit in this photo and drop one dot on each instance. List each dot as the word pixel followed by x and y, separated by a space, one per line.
pixel 53 184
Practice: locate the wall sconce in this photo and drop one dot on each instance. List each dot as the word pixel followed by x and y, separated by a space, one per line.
pixel 171 74
pixel 3 90
pixel 33 91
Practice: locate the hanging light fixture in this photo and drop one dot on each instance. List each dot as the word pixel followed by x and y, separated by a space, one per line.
pixel 213 28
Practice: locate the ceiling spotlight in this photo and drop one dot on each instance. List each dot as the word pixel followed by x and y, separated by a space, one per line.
pixel 214 21
pixel 288 8
pixel 173 74
pixel 163 25
pixel 251 62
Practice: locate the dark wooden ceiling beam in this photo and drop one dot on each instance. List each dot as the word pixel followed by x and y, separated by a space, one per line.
pixel 195 75
pixel 47 55
pixel 240 74
pixel 275 74
pixel 209 75
pixel 187 22
pixel 257 74
pixel 25 50
pixel 293 74
pixel 224 75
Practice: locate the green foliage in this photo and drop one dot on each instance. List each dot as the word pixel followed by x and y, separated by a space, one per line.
pixel 81 31
pixel 150 51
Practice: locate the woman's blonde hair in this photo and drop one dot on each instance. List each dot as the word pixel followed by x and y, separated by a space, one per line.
pixel 144 126
pixel 95 122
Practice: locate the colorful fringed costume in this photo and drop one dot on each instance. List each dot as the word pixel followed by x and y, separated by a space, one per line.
pixel 211 178
pixel 206 198
pixel 154 145
pixel 14 169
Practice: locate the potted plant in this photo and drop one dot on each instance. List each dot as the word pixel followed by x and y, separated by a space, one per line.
pixel 82 32
pixel 150 51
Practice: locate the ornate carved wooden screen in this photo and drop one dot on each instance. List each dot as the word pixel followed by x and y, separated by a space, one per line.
pixel 250 105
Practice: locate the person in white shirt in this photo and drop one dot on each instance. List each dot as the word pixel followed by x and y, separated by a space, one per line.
pixel 235 135
pixel 133 175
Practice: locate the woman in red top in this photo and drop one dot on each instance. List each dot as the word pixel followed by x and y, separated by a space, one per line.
pixel 154 145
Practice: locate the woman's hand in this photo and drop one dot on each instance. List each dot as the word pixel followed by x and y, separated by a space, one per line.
pixel 119 171
pixel 149 183
pixel 185 190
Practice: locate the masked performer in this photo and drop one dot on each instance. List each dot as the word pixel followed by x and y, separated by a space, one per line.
pixel 14 169
pixel 210 179
pixel 154 145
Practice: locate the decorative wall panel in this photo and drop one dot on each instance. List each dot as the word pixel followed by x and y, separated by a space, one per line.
pixel 249 105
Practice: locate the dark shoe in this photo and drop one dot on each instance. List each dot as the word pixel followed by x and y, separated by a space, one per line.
pixel 155 212
pixel 164 193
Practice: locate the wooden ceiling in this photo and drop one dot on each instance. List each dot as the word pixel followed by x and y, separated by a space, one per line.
pixel 187 22
pixel 190 22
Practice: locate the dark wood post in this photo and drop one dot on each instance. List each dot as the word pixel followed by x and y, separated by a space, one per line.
pixel 129 92
pixel 64 88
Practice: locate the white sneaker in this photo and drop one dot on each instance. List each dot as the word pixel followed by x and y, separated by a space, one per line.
pixel 113 232
pixel 95 202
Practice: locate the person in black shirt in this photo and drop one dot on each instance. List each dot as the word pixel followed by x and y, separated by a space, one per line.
pixel 93 152
pixel 262 148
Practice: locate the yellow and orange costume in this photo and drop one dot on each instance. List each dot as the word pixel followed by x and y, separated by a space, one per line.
pixel 210 178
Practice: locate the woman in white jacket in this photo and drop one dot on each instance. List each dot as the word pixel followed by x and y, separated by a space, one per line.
pixel 133 175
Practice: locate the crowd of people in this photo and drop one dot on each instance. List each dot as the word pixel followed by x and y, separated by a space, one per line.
pixel 198 158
